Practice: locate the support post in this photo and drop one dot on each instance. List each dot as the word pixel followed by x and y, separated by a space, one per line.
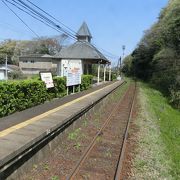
pixel 98 72
pixel 73 89
pixel 109 72
pixel 87 66
pixel 58 69
pixel 67 90
pixel 104 72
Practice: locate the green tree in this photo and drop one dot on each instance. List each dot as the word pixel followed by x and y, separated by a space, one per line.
pixel 7 48
pixel 157 56
pixel 127 65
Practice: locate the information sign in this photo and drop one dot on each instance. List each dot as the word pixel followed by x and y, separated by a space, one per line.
pixel 47 78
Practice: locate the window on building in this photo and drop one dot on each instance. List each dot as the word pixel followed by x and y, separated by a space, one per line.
pixel 32 61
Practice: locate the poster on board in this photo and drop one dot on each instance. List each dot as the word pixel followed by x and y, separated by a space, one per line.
pixel 47 78
pixel 74 72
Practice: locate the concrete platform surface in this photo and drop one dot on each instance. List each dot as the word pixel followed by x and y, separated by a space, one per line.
pixel 18 117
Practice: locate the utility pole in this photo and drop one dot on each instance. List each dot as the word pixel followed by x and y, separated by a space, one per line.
pixel 120 65
pixel 99 65
pixel 123 49
pixel 117 68
pixel 6 68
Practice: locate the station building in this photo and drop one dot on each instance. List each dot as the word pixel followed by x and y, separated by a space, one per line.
pixel 82 52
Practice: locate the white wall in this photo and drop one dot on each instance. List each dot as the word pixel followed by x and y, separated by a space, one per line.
pixel 2 74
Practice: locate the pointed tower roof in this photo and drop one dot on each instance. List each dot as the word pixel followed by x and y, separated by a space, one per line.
pixel 84 32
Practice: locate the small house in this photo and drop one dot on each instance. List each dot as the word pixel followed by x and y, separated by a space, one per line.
pixel 10 68
pixel 34 63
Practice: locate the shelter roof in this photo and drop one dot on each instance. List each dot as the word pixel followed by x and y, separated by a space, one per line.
pixel 82 50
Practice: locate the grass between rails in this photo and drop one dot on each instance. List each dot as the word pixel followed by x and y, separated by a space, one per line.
pixel 158 153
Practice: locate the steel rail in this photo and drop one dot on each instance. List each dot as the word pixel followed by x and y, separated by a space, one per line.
pixel 93 142
pixel 123 147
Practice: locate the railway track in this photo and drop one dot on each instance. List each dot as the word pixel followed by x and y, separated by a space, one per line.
pixel 103 158
pixel 21 163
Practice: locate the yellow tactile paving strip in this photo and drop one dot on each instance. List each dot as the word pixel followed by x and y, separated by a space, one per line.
pixel 37 118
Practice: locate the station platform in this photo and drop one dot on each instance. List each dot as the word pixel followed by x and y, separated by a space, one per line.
pixel 20 131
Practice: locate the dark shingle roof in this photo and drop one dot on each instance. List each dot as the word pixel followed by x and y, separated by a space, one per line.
pixel 81 50
pixel 10 67
pixel 84 31
pixel 36 56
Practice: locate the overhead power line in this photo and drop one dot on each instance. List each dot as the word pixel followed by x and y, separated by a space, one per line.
pixel 44 17
pixel 20 19
pixel 32 15
pixel 28 9
pixel 52 17
pixel 106 53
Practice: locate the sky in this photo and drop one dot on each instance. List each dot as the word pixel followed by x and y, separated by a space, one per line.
pixel 112 23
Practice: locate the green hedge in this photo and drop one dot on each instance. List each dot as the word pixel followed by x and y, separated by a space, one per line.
pixel 86 82
pixel 59 90
pixel 20 95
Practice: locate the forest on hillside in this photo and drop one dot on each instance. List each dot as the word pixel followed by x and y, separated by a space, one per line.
pixel 156 58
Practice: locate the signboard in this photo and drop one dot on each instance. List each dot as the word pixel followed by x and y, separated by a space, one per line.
pixel 47 78
pixel 74 72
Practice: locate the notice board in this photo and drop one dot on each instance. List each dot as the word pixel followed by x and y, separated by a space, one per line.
pixel 74 72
